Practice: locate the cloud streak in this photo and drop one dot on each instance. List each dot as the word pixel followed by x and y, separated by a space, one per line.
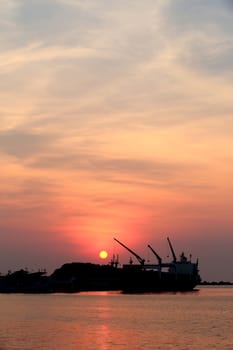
pixel 35 52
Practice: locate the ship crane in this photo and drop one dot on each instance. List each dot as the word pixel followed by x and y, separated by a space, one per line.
pixel 140 260
pixel 157 255
pixel 172 250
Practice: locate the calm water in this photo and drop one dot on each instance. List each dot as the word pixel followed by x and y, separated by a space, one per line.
pixel 100 321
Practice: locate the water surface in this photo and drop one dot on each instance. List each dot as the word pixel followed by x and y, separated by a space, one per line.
pixel 101 321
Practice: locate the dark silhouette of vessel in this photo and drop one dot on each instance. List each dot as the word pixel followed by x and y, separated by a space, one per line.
pixel 177 275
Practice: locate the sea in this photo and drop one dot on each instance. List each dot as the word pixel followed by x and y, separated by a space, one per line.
pixel 198 320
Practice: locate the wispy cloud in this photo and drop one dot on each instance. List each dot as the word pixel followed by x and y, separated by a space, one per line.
pixel 22 144
pixel 37 53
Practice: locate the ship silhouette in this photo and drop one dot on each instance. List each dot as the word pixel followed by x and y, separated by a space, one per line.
pixel 178 275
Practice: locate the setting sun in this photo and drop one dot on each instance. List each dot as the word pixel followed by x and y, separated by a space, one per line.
pixel 103 254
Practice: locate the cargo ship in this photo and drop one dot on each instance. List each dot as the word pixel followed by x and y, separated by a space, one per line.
pixel 178 275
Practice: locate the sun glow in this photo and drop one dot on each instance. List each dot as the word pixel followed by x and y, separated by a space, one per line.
pixel 103 254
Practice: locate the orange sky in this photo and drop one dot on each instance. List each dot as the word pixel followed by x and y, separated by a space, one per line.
pixel 116 122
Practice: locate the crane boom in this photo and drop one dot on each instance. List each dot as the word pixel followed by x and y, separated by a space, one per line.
pixel 141 261
pixel 157 255
pixel 172 250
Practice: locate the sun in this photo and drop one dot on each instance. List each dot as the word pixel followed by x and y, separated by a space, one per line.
pixel 103 254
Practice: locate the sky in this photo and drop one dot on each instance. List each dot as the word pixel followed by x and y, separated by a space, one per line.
pixel 116 120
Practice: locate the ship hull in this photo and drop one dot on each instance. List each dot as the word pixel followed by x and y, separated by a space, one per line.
pixel 77 277
pixel 128 279
pixel 156 282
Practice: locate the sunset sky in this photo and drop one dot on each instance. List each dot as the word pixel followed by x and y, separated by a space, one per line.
pixel 116 121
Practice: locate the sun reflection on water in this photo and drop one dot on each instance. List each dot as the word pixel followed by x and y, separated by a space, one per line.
pixel 106 321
